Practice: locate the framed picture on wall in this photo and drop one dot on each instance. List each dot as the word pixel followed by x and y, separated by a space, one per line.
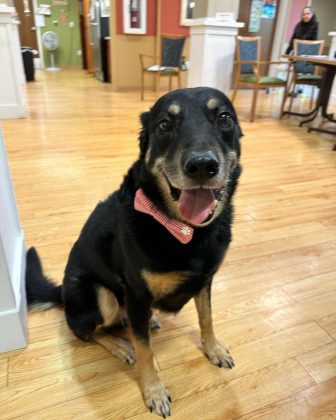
pixel 135 14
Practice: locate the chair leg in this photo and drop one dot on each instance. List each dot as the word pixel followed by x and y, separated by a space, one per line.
pixel 157 82
pixel 142 85
pixel 254 102
pixel 170 83
pixel 179 80
pixel 284 100
pixel 292 94
pixel 235 87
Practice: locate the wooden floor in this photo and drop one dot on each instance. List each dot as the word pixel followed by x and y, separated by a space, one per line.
pixel 274 298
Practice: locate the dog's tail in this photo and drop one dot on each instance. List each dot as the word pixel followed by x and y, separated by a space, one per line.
pixel 41 292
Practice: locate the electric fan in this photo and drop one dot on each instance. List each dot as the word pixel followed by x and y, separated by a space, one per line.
pixel 51 42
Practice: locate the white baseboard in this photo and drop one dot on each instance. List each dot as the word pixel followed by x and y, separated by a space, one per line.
pixel 12 111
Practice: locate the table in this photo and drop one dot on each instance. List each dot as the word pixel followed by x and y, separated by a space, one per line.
pixel 329 64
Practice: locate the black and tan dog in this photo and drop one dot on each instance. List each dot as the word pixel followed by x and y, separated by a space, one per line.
pixel 159 239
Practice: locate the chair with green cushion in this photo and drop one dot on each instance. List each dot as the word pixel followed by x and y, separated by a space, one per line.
pixel 301 72
pixel 169 63
pixel 248 69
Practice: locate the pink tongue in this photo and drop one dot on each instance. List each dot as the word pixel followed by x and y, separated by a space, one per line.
pixel 196 205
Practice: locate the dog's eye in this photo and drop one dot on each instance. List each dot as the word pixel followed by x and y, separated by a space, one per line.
pixel 165 125
pixel 225 120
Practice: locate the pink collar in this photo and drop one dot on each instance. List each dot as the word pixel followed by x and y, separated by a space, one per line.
pixel 181 231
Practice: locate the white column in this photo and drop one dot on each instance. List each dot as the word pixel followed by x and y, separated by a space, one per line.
pixel 13 311
pixel 11 67
pixel 212 51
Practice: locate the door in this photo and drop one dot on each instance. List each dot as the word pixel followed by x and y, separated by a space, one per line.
pixel 96 38
pixel 260 17
pixel 27 28
pixel 84 19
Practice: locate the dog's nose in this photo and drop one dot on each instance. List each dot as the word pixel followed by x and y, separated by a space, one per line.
pixel 202 166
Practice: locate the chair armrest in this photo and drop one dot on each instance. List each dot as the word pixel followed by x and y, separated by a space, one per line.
pixel 246 62
pixel 149 56
pixel 142 56
pixel 275 62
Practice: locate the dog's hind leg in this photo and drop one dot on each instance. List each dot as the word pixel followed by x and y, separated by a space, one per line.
pixel 215 351
pixel 113 315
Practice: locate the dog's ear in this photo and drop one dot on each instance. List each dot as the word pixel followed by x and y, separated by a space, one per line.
pixel 144 134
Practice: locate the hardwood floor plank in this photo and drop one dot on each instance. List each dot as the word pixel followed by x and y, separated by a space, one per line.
pixel 303 311
pixel 46 335
pixel 309 259
pixel 320 363
pixel 51 316
pixel 290 243
pixel 317 402
pixel 328 323
pixel 312 286
pixel 3 372
pixel 35 363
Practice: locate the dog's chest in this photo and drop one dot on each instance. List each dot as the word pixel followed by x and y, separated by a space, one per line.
pixel 163 284
pixel 171 290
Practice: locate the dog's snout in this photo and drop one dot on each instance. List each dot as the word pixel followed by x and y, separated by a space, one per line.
pixel 203 166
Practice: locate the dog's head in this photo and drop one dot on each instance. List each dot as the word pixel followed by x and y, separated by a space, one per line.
pixel 189 144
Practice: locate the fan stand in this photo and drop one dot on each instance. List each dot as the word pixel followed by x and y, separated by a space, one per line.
pixel 52 62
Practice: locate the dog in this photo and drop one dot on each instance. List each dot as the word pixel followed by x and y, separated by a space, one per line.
pixel 159 239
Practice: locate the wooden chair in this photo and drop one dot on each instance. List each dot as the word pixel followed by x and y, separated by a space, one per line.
pixel 248 69
pixel 167 65
pixel 302 73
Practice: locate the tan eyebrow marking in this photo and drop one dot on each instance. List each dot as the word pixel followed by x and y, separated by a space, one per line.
pixel 174 109
pixel 212 103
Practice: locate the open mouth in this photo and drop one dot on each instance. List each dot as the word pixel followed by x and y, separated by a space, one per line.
pixel 196 205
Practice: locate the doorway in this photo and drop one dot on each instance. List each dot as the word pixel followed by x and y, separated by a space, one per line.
pixel 27 27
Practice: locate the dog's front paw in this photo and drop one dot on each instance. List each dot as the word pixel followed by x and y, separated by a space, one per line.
pixel 157 398
pixel 218 354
